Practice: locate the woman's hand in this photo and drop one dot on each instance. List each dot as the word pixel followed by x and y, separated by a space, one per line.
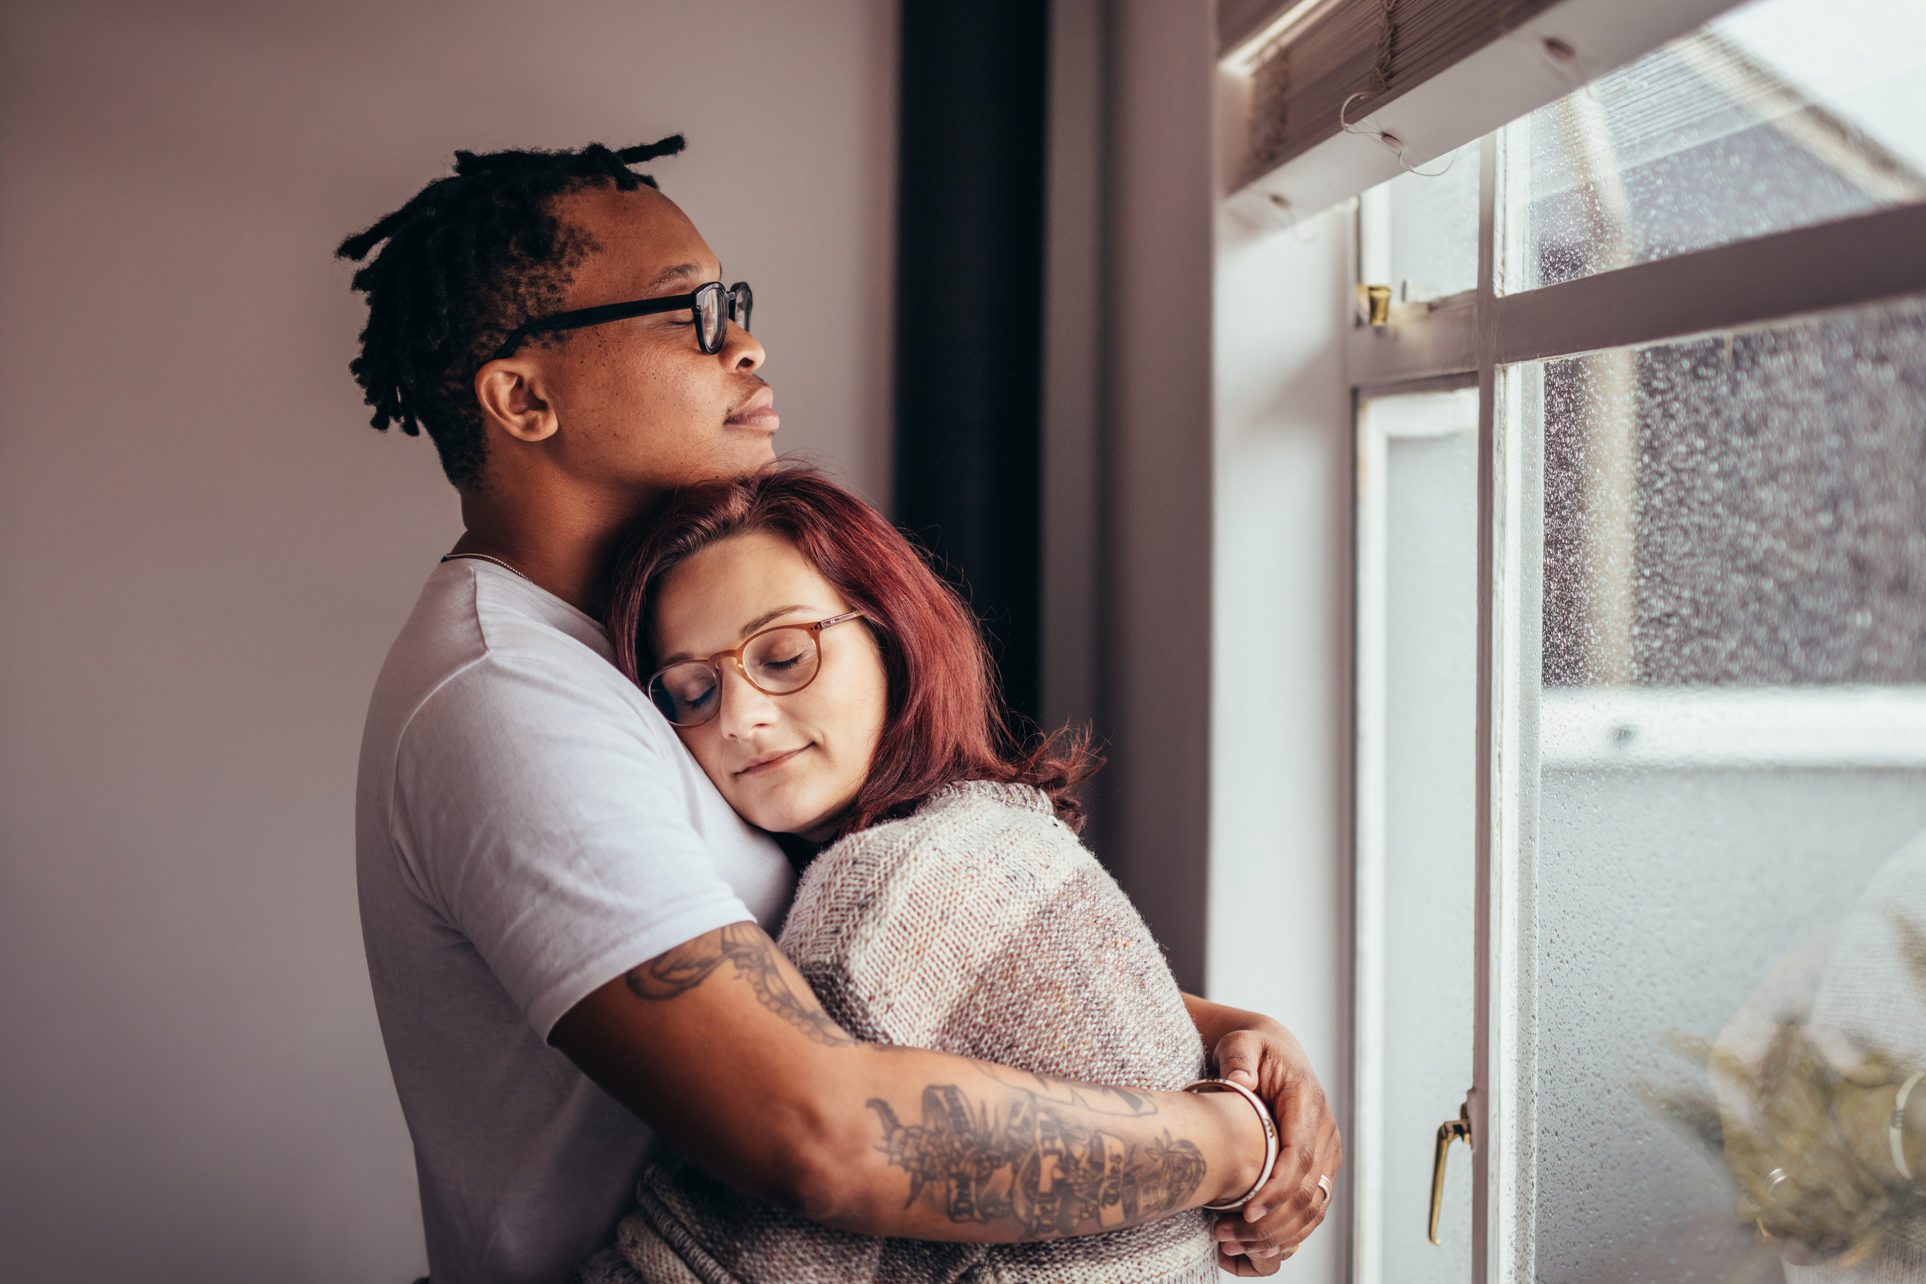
pixel 1264 1057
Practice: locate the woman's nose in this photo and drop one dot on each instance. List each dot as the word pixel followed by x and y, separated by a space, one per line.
pixel 745 708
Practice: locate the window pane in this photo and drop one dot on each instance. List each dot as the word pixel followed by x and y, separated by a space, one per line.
pixel 1743 508
pixel 1732 771
pixel 1781 114
pixel 1429 227
pixel 1417 785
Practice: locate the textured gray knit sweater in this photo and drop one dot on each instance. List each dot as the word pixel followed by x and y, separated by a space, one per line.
pixel 981 926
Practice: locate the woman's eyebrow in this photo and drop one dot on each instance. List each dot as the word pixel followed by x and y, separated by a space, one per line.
pixel 765 618
pixel 768 617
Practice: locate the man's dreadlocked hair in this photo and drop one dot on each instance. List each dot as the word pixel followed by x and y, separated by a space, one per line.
pixel 471 257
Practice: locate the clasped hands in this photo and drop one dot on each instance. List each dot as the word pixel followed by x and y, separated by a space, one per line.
pixel 1257 1239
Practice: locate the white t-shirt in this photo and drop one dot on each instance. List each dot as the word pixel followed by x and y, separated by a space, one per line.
pixel 528 828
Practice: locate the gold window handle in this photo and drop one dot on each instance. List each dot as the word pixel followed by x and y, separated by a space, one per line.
pixel 1451 1130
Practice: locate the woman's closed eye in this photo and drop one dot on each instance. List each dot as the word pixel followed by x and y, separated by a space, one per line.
pixel 695 695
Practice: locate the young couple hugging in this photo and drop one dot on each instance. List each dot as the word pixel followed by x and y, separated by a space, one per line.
pixel 659 674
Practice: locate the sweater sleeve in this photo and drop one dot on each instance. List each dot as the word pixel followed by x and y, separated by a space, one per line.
pixel 984 927
pixel 978 926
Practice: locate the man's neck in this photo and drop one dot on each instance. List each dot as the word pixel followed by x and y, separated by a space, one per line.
pixel 565 544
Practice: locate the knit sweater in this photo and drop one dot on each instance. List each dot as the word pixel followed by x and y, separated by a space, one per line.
pixel 979 925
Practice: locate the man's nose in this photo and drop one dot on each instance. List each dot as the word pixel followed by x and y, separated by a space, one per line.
pixel 742 351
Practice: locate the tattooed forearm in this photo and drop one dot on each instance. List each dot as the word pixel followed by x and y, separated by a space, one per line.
pixel 754 960
pixel 1023 1159
pixel 1084 1096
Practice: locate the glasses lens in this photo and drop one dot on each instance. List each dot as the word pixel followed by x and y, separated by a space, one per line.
pixel 741 300
pixel 709 317
pixel 782 660
pixel 685 693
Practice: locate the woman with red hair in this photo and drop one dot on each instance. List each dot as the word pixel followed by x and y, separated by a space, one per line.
pixel 838 693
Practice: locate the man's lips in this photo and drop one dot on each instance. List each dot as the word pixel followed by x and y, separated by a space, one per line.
pixel 757 412
pixel 769 761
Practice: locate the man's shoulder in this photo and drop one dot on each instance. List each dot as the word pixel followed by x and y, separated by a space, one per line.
pixel 483 635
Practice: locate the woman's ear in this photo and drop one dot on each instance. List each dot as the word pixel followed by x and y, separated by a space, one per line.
pixel 511 397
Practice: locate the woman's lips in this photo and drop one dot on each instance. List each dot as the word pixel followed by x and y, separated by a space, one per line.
pixel 762 765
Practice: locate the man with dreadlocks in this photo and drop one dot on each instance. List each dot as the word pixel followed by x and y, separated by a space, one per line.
pixel 560 911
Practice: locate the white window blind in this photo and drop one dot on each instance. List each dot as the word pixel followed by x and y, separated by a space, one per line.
pixel 1365 53
pixel 1333 96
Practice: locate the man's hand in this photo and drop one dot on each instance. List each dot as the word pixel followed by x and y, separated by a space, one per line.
pixel 1262 1055
pixel 1808 1144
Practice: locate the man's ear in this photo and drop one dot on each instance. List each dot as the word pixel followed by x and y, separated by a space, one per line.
pixel 511 397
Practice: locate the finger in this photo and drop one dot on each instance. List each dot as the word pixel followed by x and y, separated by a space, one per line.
pixel 1270 1236
pixel 1323 1161
pixel 1288 1235
pixel 1304 1132
pixel 1327 1162
pixel 1246 1267
pixel 1289 1178
pixel 1288 1222
pixel 1235 1263
pixel 1239 1054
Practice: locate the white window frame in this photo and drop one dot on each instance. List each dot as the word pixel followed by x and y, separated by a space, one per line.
pixel 1374 435
pixel 1475 336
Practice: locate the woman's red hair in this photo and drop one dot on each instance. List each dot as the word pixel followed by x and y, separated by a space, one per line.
pixel 945 721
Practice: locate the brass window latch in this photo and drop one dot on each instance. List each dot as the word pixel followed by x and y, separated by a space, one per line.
pixel 1374 305
pixel 1451 1130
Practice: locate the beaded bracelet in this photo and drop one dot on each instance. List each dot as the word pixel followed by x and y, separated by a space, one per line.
pixel 1270 1137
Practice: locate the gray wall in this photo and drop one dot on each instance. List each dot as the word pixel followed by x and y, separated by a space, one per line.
pixel 1153 467
pixel 208 551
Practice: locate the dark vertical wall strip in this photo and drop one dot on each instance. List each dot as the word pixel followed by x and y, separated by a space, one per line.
pixel 969 277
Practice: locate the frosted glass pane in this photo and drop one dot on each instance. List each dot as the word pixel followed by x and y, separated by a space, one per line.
pixel 1732 761
pixel 1743 508
pixel 1418 910
pixel 1780 114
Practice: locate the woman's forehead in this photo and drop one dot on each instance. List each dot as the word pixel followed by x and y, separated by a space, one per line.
pixel 720 595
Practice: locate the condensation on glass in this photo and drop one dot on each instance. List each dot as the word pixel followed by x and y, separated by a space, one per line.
pixel 1740 508
pixel 1780 114
pixel 1731 781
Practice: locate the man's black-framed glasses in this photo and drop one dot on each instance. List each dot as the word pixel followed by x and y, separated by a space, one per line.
pixel 777 661
pixel 714 305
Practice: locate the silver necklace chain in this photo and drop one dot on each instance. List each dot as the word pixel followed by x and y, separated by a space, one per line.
pixel 486 557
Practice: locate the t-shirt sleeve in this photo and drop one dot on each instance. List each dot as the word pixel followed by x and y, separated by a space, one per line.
pixel 552 828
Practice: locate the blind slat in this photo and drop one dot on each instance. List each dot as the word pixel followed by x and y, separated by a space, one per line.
pixel 1364 51
pixel 1443 73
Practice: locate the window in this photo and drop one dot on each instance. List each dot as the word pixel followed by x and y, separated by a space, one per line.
pixel 1641 631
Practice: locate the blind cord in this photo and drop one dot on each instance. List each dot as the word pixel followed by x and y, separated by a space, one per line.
pixel 1381 71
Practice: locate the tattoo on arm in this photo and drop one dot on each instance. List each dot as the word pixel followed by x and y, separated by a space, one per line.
pixel 751 956
pixel 1083 1096
pixel 1024 1160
